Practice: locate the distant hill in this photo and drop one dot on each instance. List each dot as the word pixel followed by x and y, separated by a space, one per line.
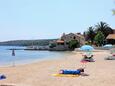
pixel 41 42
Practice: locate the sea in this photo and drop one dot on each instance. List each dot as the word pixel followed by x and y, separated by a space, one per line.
pixel 27 56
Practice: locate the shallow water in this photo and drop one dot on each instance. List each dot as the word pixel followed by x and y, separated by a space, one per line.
pixel 25 56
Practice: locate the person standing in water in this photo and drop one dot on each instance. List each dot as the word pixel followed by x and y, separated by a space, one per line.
pixel 13 52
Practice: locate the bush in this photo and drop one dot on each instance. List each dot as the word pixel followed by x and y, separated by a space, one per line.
pixel 52 45
pixel 73 44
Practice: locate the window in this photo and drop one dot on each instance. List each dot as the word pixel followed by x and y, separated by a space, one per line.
pixel 74 37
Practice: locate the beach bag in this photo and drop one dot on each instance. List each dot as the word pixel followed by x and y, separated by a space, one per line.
pixel 2 76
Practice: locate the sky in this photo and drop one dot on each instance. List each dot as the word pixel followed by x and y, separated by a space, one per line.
pixel 48 19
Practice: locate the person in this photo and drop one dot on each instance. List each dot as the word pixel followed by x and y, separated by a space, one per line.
pixel 13 52
pixel 79 71
pixel 88 56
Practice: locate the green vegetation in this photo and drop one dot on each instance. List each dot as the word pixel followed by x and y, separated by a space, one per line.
pixel 73 44
pixel 43 42
pixel 92 35
pixel 104 28
pixel 99 38
pixel 113 11
pixel 52 45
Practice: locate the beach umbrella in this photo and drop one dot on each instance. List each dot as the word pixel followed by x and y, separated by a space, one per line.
pixel 86 48
pixel 108 46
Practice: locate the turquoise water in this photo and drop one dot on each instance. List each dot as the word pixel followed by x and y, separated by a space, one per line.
pixel 25 56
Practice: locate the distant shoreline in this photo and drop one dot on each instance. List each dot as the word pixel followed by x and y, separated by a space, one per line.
pixel 39 42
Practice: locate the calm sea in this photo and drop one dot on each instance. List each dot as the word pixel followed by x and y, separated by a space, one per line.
pixel 26 57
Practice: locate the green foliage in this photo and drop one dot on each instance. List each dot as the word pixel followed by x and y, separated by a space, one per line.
pixel 90 34
pixel 52 45
pixel 100 27
pixel 88 43
pixel 113 11
pixel 43 42
pixel 104 28
pixel 73 44
pixel 99 38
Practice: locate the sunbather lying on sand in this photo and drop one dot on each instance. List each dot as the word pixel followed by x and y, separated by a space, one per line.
pixel 71 73
pixel 79 71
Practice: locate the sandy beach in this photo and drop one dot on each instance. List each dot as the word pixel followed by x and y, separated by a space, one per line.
pixel 101 72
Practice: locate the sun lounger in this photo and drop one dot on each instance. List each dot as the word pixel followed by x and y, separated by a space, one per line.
pixel 110 58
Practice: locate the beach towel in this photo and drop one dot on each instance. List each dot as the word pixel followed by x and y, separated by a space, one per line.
pixel 66 75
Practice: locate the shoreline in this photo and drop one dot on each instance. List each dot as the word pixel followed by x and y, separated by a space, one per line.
pixel 27 57
pixel 40 73
pixel 32 61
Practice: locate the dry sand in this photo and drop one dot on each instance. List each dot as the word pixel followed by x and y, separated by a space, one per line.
pixel 101 72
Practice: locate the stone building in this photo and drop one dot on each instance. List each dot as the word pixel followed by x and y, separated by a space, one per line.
pixel 63 42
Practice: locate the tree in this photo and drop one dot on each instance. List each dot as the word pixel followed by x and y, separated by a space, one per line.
pixel 113 11
pixel 73 44
pixel 99 38
pixel 52 45
pixel 104 28
pixel 90 34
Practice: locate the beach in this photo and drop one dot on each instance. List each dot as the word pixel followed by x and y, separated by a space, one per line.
pixel 101 72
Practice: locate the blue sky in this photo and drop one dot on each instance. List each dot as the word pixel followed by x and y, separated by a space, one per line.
pixel 43 19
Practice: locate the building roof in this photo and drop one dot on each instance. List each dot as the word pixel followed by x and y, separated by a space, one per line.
pixel 60 41
pixel 111 36
pixel 79 35
pixel 73 34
